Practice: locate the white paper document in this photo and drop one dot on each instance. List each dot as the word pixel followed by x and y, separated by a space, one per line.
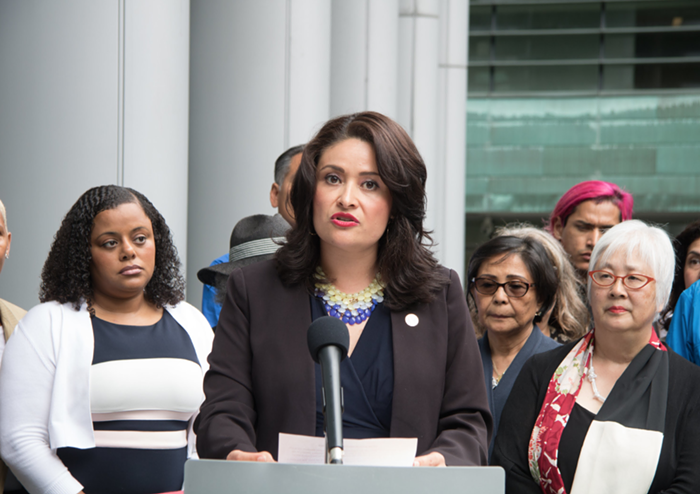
pixel 382 452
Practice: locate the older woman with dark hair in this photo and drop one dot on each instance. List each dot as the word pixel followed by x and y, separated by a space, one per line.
pixel 568 319
pixel 100 383
pixel 512 285
pixel 613 412
pixel 358 252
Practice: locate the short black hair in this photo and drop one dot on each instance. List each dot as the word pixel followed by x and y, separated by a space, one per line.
pixel 66 274
pixel 533 254
pixel 283 161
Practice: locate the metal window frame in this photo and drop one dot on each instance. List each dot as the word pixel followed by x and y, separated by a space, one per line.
pixel 602 31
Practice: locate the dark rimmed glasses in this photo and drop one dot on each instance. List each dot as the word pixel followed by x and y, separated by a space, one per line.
pixel 632 281
pixel 515 289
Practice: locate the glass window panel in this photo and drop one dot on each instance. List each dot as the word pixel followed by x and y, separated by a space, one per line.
pixel 479 48
pixel 620 45
pixel 583 15
pixel 682 44
pixel 667 76
pixel 618 77
pixel 650 14
pixel 560 78
pixel 565 47
pixel 479 18
pixel 478 79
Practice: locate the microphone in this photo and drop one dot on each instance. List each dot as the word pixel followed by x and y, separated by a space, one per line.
pixel 329 340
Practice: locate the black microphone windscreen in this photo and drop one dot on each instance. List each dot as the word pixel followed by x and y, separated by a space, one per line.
pixel 326 331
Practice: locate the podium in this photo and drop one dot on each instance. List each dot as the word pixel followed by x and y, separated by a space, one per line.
pixel 237 477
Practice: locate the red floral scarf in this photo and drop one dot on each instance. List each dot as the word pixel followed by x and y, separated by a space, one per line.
pixel 559 401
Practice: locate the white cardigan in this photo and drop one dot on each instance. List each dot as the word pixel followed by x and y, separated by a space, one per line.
pixel 45 390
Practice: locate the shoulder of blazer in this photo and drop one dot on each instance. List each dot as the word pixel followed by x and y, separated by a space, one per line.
pixel 10 314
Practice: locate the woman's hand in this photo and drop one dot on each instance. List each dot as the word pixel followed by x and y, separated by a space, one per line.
pixel 433 459
pixel 238 455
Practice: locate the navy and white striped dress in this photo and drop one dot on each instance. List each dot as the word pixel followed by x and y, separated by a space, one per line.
pixel 145 386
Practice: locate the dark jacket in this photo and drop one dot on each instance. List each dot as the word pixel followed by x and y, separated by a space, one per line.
pixel 536 343
pixel 261 378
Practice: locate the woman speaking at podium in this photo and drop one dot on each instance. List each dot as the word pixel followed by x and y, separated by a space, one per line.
pixel 358 252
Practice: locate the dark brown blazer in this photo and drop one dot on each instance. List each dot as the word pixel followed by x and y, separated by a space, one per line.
pixel 261 377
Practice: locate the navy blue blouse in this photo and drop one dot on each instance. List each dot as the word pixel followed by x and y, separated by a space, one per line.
pixel 367 378
pixel 146 442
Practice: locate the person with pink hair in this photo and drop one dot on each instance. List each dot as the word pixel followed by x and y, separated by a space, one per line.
pixel 583 214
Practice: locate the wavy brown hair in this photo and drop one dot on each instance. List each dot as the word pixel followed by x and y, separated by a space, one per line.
pixel 406 264
pixel 66 278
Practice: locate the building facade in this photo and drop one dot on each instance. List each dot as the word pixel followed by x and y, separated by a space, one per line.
pixel 562 91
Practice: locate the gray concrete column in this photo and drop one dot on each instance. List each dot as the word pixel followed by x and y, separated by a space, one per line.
pixel 91 93
pixel 450 178
pixel 259 83
pixel 419 37
pixel 155 80
pixel 364 56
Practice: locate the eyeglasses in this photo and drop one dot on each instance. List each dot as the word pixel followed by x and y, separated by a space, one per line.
pixel 632 281
pixel 515 289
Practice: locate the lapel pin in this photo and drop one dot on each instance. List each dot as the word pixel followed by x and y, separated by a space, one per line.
pixel 412 320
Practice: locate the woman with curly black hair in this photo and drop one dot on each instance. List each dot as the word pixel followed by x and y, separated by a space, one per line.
pixel 100 383
pixel 358 252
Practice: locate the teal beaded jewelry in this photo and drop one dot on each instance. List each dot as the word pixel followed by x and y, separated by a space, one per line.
pixel 350 308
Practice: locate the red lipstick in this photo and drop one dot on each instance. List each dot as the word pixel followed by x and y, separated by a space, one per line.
pixel 344 220
pixel 616 309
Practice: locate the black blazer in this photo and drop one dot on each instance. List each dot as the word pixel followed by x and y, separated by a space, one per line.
pixel 261 377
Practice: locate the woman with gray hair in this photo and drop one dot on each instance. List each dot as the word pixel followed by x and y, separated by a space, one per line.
pixel 613 412
pixel 568 318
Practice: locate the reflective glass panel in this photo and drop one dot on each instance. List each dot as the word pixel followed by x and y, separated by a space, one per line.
pixel 651 76
pixel 546 78
pixel 567 16
pixel 479 18
pixel 682 44
pixel 478 79
pixel 667 76
pixel 564 47
pixel 618 77
pixel 479 48
pixel 652 14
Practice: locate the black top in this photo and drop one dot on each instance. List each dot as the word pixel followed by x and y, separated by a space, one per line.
pixel 572 441
pixel 535 343
pixel 677 471
pixel 367 378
